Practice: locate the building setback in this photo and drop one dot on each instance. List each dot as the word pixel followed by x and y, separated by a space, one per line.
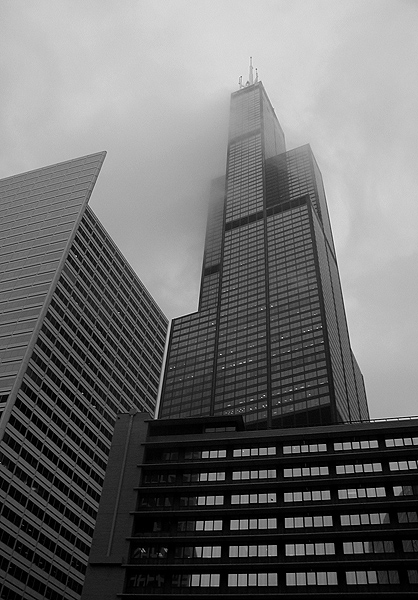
pixel 81 340
pixel 270 339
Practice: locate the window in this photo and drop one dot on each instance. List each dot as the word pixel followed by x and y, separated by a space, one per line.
pixel 254 474
pixel 405 490
pixel 408 517
pixel 151 501
pixel 307 496
pixel 249 551
pixel 244 452
pixel 365 519
pixel 404 441
pixel 373 547
pixel 197 552
pixel 192 455
pixel 304 448
pixel 403 465
pixel 305 471
pixel 348 494
pixel 151 580
pixel 352 445
pixel 168 456
pixel 244 524
pixel 207 525
pixel 203 476
pixel 196 580
pixel 316 521
pixel 358 468
pixel 410 545
pixel 319 548
pixel 149 552
pixel 252 579
pixel 371 577
pixel 312 578
pixel 159 478
pixel 413 576
pixel 264 498
pixel 201 500
pixel 213 454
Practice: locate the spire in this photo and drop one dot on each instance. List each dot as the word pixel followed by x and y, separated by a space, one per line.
pixel 251 80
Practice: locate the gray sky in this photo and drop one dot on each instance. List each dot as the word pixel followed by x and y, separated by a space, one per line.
pixel 149 81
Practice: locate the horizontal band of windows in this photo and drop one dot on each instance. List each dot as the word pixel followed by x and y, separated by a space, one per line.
pixel 405 490
pixel 254 550
pixel 307 496
pixel 306 471
pixel 303 448
pixel 403 465
pixel 257 451
pixel 197 552
pixel 312 578
pixel 356 445
pixel 142 552
pixel 185 580
pixel 369 547
pixel 372 492
pixel 410 516
pixel 247 524
pixel 399 442
pixel 252 579
pixel 358 468
pixel 203 476
pixel 365 519
pixel 310 549
pixel 255 474
pixel 201 500
pixel 372 577
pixel 303 522
pixel 262 498
pixel 200 525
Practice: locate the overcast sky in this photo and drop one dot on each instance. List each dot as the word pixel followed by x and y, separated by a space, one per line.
pixel 149 81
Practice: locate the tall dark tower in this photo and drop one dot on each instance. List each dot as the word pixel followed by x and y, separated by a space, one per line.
pixel 270 340
pixel 244 499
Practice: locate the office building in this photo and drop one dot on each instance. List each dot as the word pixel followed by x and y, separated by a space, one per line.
pixel 81 340
pixel 217 510
pixel 270 339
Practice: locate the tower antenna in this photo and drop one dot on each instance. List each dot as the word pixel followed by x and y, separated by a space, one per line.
pixel 251 80
pixel 251 73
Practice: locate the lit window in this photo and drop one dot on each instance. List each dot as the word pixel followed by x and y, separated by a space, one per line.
pixel 311 578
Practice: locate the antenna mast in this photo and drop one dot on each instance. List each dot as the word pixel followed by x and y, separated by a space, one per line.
pixel 251 73
pixel 251 80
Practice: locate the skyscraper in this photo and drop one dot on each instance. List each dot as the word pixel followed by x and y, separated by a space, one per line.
pixel 81 340
pixel 262 475
pixel 270 339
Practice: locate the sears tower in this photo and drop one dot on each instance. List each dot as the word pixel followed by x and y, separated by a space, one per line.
pixel 270 340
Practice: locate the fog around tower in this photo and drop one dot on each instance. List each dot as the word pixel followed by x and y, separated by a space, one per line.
pixel 150 80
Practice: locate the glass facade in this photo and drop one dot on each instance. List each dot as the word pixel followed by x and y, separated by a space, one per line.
pixel 81 341
pixel 270 340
